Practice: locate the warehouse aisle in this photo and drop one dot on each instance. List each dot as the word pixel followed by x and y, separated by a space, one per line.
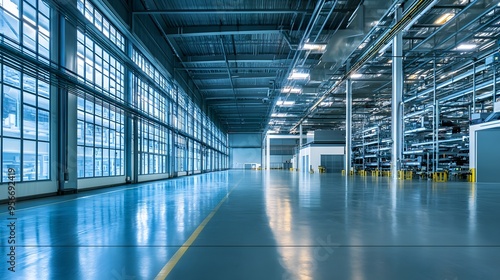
pixel 263 225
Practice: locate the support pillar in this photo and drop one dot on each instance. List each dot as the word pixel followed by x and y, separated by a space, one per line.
pixel 474 86
pixel 437 136
pixel 268 153
pixel 67 112
pixel 397 98
pixel 348 123
pixel 299 158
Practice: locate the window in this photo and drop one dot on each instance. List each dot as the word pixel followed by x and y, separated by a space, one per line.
pixel 181 146
pixel 98 68
pixel 153 143
pixel 28 26
pixel 25 125
pixel 101 23
pixel 25 100
pixel 100 139
pixel 150 101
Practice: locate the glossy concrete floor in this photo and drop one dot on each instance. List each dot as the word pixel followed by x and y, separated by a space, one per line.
pixel 262 225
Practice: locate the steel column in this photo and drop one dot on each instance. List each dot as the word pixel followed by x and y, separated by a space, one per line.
pixel 494 83
pixel 299 158
pixel 437 137
pixel 397 97
pixel 348 123
pixel 474 86
pixel 434 119
pixel 268 152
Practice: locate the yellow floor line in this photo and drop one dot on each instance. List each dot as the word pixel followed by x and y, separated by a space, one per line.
pixel 165 271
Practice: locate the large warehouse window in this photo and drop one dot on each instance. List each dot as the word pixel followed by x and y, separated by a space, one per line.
pixel 100 139
pixel 153 143
pixel 180 146
pixel 25 100
pixel 98 68
pixel 149 100
pixel 28 23
pixel 101 23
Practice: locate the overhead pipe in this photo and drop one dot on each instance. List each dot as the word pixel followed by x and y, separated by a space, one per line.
pixel 474 86
pixel 435 124
pixel 446 83
pixel 414 13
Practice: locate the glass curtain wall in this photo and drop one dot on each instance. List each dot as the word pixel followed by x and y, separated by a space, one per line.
pixel 25 99
pixel 171 126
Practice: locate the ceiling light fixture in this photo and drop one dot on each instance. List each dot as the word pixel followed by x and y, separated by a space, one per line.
pixel 444 18
pixel 291 90
pixel 278 115
pixel 356 75
pixel 285 103
pixel 295 75
pixel 314 47
pixel 466 47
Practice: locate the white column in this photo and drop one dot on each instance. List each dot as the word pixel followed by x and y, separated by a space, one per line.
pixel 348 124
pixel 299 158
pixel 397 98
pixel 268 153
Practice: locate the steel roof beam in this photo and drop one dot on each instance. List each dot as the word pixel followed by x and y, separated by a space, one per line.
pixel 222 87
pixel 217 76
pixel 195 68
pixel 198 12
pixel 219 30
pixel 263 58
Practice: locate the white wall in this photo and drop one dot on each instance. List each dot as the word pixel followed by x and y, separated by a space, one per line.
pixel 472 140
pixel 244 148
pixel 315 152
pixel 100 182
pixel 240 156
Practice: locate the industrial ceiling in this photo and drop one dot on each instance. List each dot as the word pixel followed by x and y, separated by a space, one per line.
pixel 272 65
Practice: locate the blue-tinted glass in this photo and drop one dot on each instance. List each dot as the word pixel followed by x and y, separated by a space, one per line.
pixel 9 26
pixel 29 122
pixel 11 158
pixel 80 132
pixel 43 160
pixel 105 162
pixel 43 125
pixel 89 162
pixel 80 162
pixel 11 115
pixel 98 162
pixel 29 160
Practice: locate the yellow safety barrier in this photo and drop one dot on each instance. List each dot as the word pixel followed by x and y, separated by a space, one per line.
pixel 363 173
pixel 472 175
pixel 440 176
pixel 343 172
pixel 405 175
pixel 351 173
pixel 386 173
pixel 321 169
pixel 375 173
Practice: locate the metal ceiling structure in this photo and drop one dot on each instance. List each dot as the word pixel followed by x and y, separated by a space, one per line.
pixel 240 56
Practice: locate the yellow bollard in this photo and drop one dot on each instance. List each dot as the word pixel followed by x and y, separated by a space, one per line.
pixel 343 172
pixel 440 176
pixel 472 175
